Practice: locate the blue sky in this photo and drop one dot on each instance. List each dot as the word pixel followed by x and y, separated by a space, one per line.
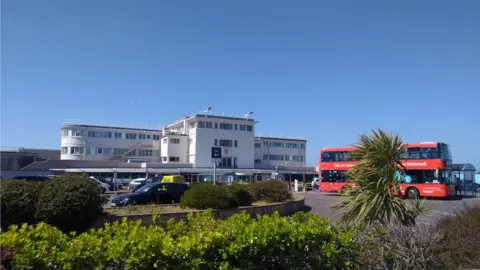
pixel 324 70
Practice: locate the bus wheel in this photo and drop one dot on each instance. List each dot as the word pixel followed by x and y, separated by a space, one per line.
pixel 412 193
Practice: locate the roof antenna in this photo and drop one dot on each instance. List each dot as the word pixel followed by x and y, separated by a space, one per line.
pixel 247 115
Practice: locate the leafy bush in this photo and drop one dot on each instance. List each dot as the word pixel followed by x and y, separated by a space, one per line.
pixel 18 201
pixel 304 241
pixel 70 202
pixel 459 246
pixel 240 195
pixel 270 191
pixel 395 247
pixel 204 196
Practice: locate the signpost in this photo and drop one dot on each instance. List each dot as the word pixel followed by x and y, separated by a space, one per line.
pixel 216 156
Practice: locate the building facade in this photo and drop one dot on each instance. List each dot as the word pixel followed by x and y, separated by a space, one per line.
pixel 186 141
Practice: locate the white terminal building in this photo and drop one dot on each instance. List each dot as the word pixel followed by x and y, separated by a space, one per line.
pixel 188 141
pixel 183 147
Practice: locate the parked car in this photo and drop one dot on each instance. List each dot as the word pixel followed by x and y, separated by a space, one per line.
pixel 102 185
pixel 154 193
pixel 31 178
pixel 135 182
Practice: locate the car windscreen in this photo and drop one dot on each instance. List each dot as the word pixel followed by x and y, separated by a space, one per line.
pixel 145 188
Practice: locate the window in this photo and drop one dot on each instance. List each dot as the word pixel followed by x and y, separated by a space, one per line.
pixel 414 153
pixel 249 128
pixel 225 143
pixel 201 124
pixel 287 158
pixel 430 153
pixel 265 156
pixel 208 124
pixel 156 137
pixel 77 133
pixel 216 125
pixel 76 150
pixel 302 146
pixel 119 151
pixel 226 126
pixel 65 132
pixel 296 158
pixel 64 150
pixel 99 151
pixel 174 159
pixel 142 136
pixel 446 154
pixel 215 142
pixel 258 145
pixel 118 135
pixel 99 134
pixel 334 176
pixel 265 144
pixel 276 157
pixel 174 140
pixel 107 151
pixel 243 127
pixel 226 162
pixel 236 143
pixel 88 151
pixel 236 126
pixel 328 156
pixel 131 136
pixel 258 161
pixel 149 137
pixel 276 144
pixel 164 159
pixel 131 153
pixel 145 152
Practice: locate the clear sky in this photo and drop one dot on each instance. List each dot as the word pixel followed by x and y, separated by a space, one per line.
pixel 324 70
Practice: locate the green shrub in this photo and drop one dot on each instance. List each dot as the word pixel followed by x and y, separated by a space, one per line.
pixel 270 191
pixel 70 202
pixel 19 201
pixel 204 196
pixel 459 247
pixel 240 195
pixel 304 241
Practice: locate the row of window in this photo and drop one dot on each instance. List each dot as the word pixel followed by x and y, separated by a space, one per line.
pixel 280 145
pixel 106 151
pixel 224 126
pixel 225 143
pixel 412 176
pixel 172 140
pixel 410 153
pixel 284 158
pixel 110 135
pixel 171 159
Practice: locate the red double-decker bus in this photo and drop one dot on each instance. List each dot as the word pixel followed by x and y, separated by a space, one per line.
pixel 428 170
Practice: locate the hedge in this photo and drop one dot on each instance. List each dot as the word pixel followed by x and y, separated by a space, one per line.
pixel 303 241
pixel 204 196
pixel 69 202
pixel 270 191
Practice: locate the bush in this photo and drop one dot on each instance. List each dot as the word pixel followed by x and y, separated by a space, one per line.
pixel 204 196
pixel 240 195
pixel 395 247
pixel 19 201
pixel 304 241
pixel 70 202
pixel 270 191
pixel 459 246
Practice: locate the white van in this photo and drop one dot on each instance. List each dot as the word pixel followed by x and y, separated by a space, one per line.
pixel 102 185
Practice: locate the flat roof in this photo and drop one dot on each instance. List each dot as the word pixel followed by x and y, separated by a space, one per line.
pixel 109 127
pixel 280 139
pixel 223 117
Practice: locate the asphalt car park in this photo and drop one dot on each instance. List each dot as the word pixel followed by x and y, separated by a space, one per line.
pixel 321 203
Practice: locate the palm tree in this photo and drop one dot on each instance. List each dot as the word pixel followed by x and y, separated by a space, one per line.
pixel 375 181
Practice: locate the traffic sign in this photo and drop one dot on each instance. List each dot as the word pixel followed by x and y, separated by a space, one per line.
pixel 216 152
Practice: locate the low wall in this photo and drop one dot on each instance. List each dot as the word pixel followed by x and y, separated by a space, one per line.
pixel 284 209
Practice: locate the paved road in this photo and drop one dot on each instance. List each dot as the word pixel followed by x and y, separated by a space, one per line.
pixel 321 203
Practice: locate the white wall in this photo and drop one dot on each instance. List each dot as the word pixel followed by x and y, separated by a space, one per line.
pixel 204 138
pixel 88 145
pixel 281 152
pixel 177 151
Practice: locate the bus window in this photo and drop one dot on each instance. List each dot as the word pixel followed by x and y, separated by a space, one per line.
pixel 414 153
pixel 404 154
pixel 430 153
pixel 328 156
pixel 445 151
pixel 334 176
